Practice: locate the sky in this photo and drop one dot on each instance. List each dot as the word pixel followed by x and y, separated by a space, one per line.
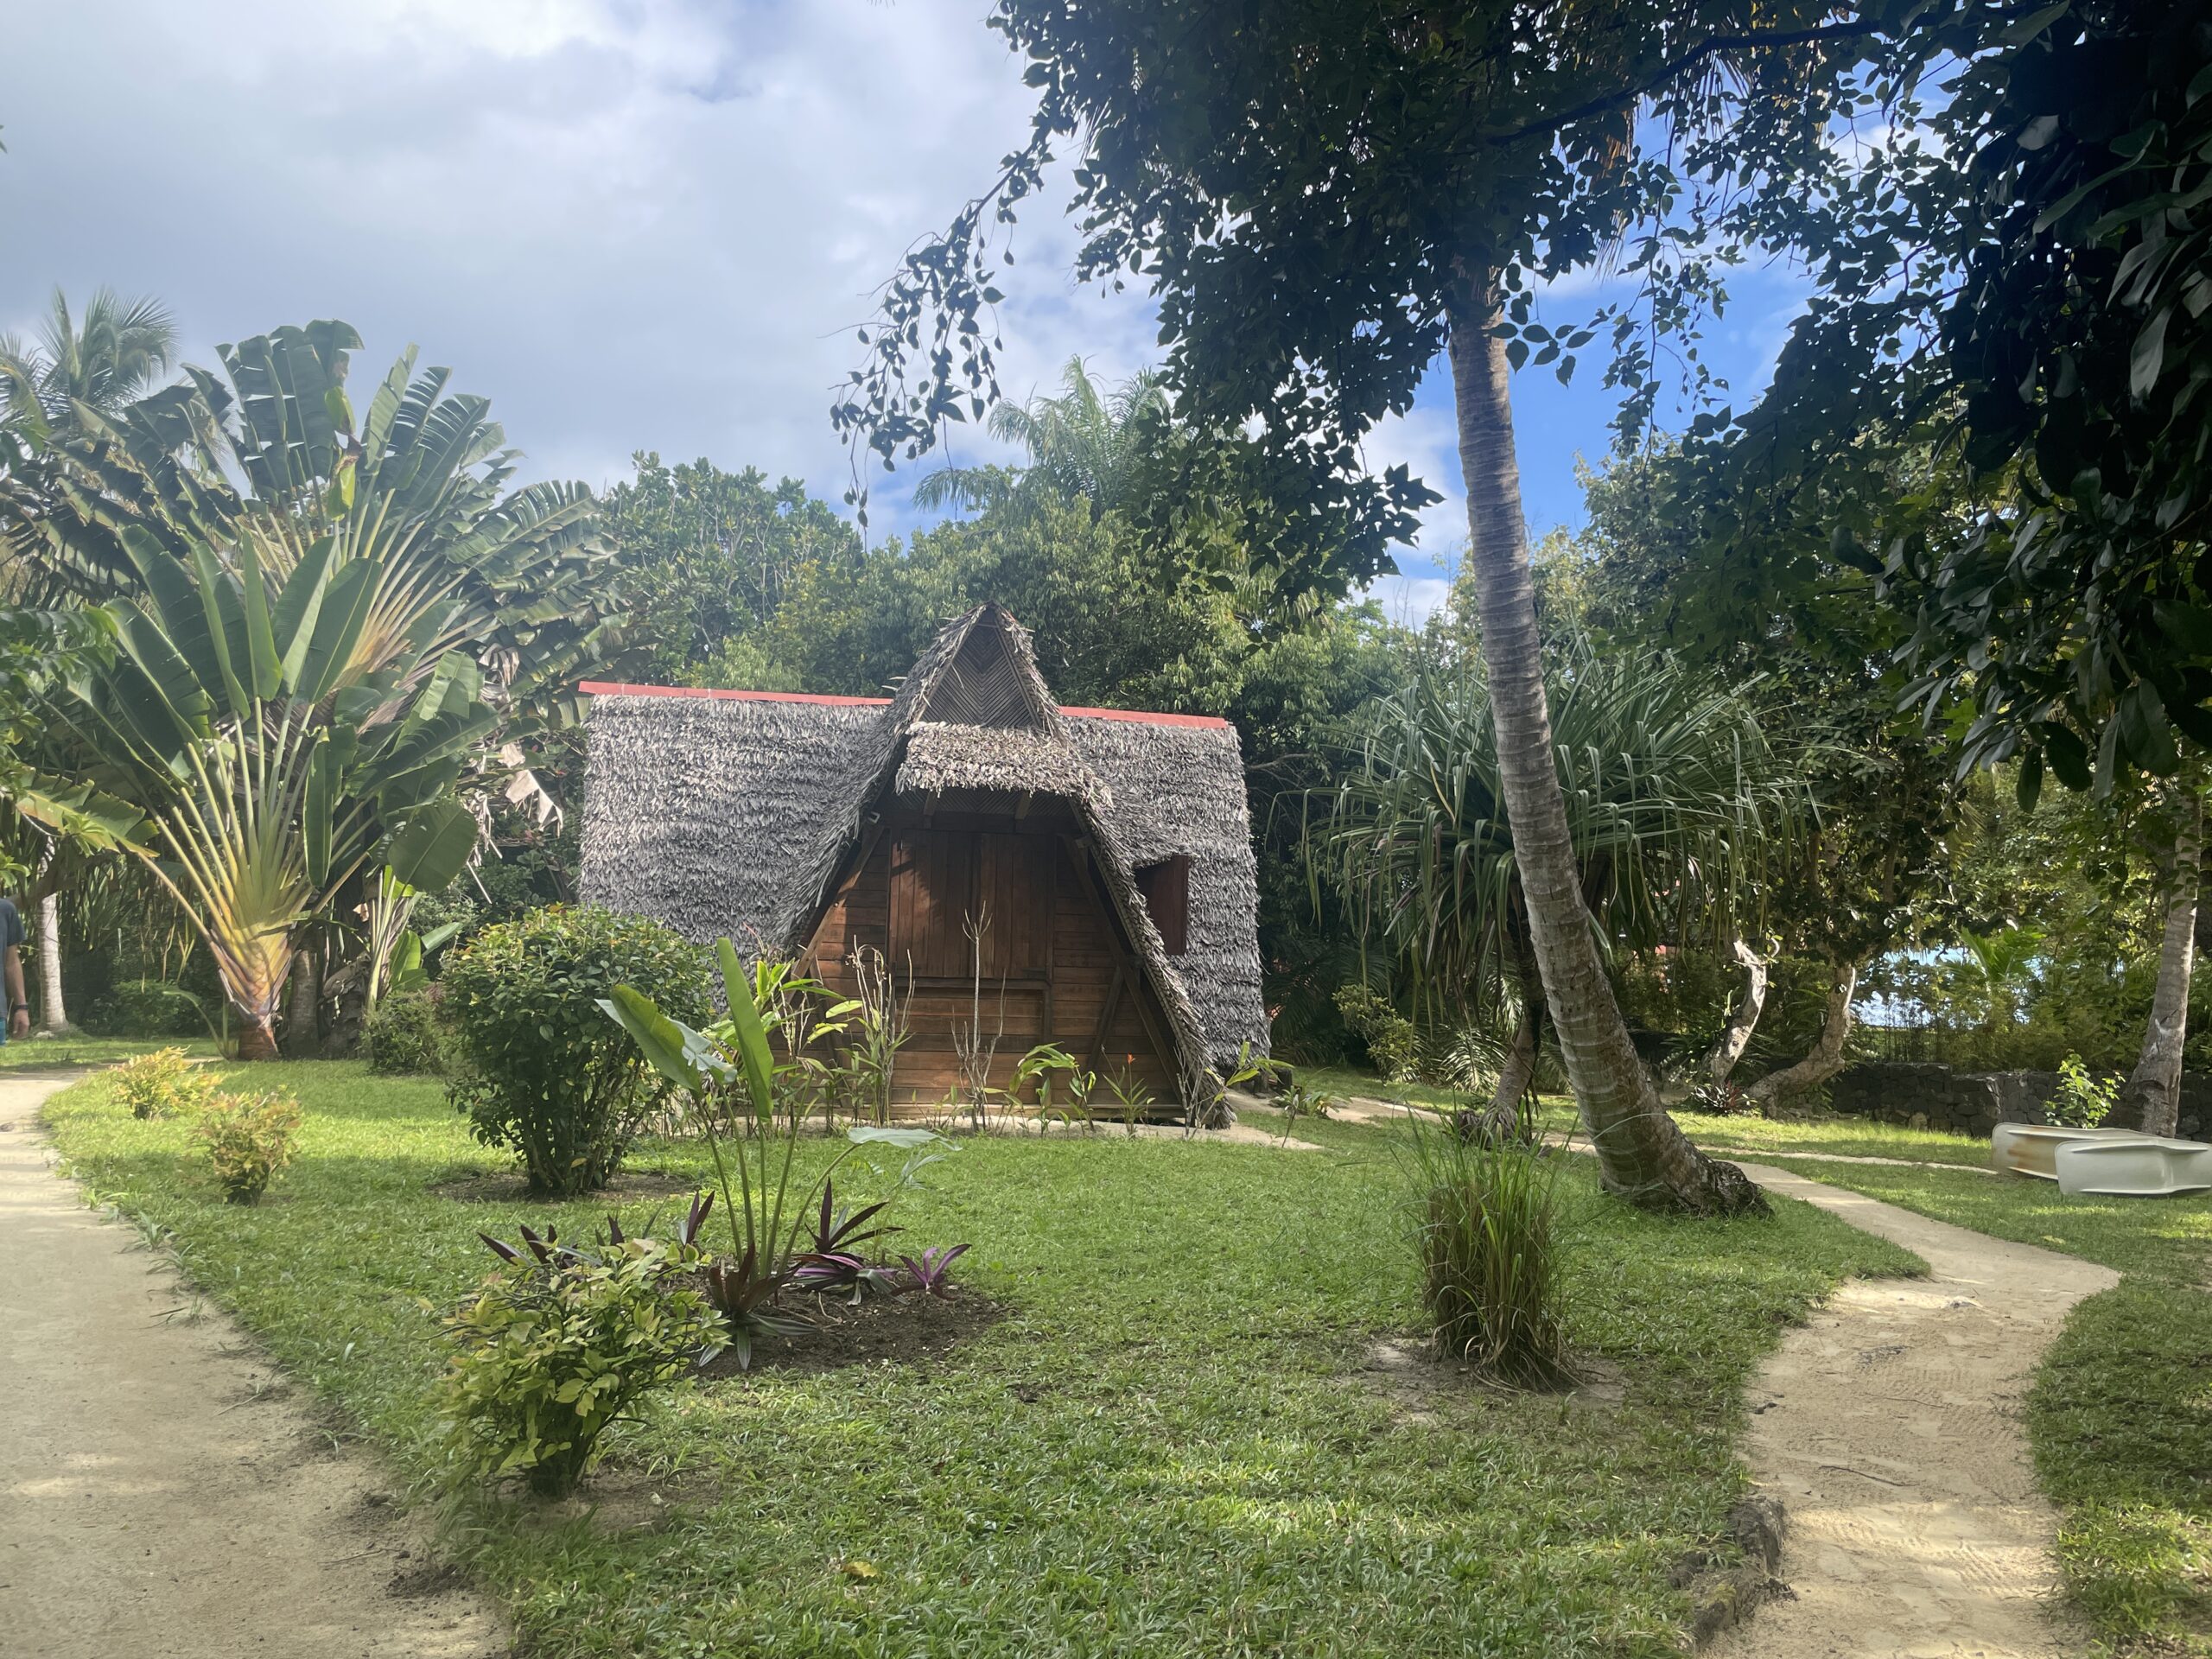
pixel 633 225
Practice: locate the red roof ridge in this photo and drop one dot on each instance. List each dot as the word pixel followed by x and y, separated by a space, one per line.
pixel 616 689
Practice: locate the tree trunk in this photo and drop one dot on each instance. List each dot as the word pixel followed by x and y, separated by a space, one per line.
pixel 2156 1081
pixel 53 1017
pixel 1827 1057
pixel 1641 1154
pixel 1736 1037
pixel 1518 1074
pixel 257 1035
pixel 303 1018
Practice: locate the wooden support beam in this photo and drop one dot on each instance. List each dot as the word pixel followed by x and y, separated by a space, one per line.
pixel 1106 1013
pixel 1126 962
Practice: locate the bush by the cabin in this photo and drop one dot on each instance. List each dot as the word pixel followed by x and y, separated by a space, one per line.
pixel 543 1071
pixel 404 1037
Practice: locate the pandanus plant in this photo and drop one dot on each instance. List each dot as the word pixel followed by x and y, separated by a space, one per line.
pixel 1681 802
pixel 731 1070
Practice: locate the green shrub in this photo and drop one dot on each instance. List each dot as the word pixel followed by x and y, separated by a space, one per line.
pixel 1487 1239
pixel 166 1081
pixel 1391 1041
pixel 404 1037
pixel 2084 1100
pixel 543 1071
pixel 249 1138
pixel 151 1009
pixel 555 1349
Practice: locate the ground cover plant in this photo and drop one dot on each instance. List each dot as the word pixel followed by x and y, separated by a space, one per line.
pixel 1170 1442
pixel 2120 1418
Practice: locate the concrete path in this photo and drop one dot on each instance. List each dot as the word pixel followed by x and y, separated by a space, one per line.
pixel 1890 1427
pixel 159 1493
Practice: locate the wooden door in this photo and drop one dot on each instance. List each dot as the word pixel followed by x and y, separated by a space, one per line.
pixel 943 880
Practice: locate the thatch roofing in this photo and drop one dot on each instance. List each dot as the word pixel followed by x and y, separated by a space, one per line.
pixel 729 814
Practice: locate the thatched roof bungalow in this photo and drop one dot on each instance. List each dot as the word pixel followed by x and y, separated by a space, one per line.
pixel 1082 877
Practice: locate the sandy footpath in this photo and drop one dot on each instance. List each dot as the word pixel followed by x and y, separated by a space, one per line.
pixel 1890 1426
pixel 159 1493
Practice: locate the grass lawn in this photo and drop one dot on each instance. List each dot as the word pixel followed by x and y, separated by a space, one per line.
pixel 1168 1445
pixel 41 1053
pixel 2120 1417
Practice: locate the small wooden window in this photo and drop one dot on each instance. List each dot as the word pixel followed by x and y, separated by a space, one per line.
pixel 1166 889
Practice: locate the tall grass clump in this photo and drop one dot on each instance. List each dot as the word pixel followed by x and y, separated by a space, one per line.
pixel 1489 1239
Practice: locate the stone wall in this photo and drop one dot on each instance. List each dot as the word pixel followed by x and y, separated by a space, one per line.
pixel 1976 1103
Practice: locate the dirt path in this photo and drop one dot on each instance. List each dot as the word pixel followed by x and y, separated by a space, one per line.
pixel 158 1493
pixel 1890 1426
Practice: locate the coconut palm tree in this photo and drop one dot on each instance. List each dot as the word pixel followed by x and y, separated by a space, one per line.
pixel 1084 444
pixel 112 356
pixel 1677 802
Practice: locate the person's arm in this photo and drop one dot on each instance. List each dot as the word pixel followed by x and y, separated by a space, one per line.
pixel 19 1003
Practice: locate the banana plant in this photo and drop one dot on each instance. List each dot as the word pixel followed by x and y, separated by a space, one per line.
pixel 272 758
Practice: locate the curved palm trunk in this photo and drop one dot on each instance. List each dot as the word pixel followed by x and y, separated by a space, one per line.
pixel 53 1017
pixel 1827 1057
pixel 1736 1036
pixel 2156 1081
pixel 1517 1076
pixel 1641 1152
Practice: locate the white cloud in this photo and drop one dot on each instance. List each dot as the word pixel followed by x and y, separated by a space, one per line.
pixel 1410 599
pixel 632 226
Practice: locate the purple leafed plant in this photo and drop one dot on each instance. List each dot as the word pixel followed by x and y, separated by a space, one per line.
pixel 836 1232
pixel 548 1251
pixel 933 1273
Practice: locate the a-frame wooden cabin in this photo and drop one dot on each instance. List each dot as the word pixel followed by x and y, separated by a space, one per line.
pixel 1086 876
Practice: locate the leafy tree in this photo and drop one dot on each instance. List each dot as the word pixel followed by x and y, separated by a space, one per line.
pixel 1679 555
pixel 706 558
pixel 1322 197
pixel 2038 235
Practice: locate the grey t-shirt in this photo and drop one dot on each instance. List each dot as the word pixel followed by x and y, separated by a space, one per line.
pixel 11 923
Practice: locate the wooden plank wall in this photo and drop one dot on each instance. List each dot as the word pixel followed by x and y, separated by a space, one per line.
pixel 1051 962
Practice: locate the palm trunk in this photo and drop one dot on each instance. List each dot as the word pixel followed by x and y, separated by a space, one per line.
pixel 1827 1057
pixel 1641 1152
pixel 1737 1035
pixel 2156 1081
pixel 303 1018
pixel 53 1017
pixel 1518 1075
